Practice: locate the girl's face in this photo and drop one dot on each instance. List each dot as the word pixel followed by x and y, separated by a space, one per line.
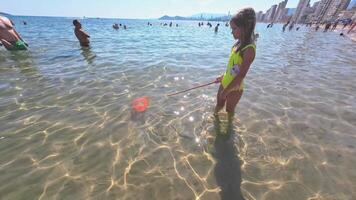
pixel 236 31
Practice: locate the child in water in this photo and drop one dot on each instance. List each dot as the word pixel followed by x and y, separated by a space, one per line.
pixel 80 34
pixel 241 57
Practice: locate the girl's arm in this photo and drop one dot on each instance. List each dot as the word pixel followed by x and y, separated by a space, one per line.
pixel 248 57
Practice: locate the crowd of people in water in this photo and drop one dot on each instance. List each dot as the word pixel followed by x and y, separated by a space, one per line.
pixel 117 26
pixel 11 39
pixel 242 54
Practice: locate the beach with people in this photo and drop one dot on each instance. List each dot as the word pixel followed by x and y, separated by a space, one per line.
pixel 95 108
pixel 348 31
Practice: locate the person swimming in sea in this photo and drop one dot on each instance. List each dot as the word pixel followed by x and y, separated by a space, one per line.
pixel 327 26
pixel 217 28
pixel 242 55
pixel 115 26
pixel 291 26
pixel 317 27
pixel 82 36
pixel 9 37
pixel 285 26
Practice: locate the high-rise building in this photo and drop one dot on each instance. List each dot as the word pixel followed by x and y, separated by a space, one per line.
pixel 315 6
pixel 336 6
pixel 281 6
pixel 315 10
pixel 331 9
pixel 259 16
pixel 270 13
pixel 324 5
pixel 263 17
pixel 284 17
pixel 277 12
pixel 318 8
pixel 347 14
pixel 307 15
pixel 299 13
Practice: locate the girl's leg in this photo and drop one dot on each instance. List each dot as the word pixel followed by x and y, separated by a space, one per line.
pixel 231 101
pixel 219 102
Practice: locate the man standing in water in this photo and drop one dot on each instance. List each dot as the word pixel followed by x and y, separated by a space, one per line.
pixel 9 37
pixel 291 26
pixel 327 26
pixel 285 26
pixel 217 28
pixel 80 34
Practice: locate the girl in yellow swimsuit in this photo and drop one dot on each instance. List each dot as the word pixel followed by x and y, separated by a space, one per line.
pixel 241 57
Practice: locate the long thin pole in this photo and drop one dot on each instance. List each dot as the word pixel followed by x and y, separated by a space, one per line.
pixel 190 89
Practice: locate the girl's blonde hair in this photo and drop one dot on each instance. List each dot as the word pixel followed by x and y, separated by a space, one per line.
pixel 245 19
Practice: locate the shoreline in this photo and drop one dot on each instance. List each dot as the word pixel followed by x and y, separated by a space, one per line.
pixel 339 29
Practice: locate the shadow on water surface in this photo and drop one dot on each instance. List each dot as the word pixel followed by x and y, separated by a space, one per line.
pixel 228 167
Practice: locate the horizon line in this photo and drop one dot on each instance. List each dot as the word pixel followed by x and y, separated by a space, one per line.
pixel 21 15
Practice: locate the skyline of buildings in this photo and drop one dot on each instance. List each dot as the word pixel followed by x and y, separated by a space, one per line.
pixel 321 11
pixel 281 10
pixel 299 13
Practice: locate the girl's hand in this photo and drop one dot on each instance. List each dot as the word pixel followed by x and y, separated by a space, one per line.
pixel 219 79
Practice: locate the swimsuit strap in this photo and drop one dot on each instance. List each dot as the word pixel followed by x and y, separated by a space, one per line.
pixel 250 45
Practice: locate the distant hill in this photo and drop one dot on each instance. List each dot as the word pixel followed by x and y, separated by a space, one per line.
pixel 166 17
pixel 200 16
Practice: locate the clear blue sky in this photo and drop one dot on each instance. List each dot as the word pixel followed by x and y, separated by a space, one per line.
pixel 131 8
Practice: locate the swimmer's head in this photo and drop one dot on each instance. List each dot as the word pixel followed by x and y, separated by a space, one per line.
pixel 77 24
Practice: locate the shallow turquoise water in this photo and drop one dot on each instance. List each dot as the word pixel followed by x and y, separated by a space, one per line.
pixel 67 130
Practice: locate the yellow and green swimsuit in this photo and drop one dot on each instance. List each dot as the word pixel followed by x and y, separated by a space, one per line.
pixel 235 61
